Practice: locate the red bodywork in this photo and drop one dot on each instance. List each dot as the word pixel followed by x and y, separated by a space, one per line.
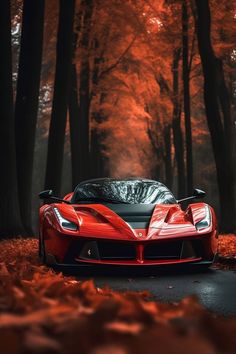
pixel 169 225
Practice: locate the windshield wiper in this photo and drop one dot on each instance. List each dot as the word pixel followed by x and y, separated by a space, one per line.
pixel 96 199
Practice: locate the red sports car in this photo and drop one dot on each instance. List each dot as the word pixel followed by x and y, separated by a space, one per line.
pixel 127 222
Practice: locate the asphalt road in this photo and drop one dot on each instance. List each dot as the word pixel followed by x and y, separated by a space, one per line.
pixel 216 289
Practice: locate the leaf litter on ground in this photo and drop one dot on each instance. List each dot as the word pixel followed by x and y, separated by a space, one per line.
pixel 42 311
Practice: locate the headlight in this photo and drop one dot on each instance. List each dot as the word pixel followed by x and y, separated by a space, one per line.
pixel 204 222
pixel 66 224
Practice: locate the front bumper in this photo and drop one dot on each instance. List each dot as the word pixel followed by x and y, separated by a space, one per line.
pixel 95 252
pixel 52 262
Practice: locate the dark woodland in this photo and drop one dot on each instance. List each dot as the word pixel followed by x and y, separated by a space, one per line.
pixel 116 88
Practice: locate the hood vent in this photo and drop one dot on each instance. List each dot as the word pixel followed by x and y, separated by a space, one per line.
pixel 138 216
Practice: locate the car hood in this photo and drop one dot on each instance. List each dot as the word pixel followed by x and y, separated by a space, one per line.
pixel 98 220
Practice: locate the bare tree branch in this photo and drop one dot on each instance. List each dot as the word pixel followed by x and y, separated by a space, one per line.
pixel 192 50
pixel 164 85
pixel 118 61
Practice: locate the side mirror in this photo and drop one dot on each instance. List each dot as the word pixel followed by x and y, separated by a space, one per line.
pixel 198 193
pixel 46 194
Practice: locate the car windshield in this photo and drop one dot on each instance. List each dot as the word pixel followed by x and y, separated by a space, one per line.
pixel 131 191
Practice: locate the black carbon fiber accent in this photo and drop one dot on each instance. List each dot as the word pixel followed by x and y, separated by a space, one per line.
pixel 138 216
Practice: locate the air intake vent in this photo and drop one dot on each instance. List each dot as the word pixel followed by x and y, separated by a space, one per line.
pixel 138 216
pixel 165 250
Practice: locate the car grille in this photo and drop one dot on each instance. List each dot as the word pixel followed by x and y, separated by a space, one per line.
pixel 163 250
pixel 116 250
pixel 97 249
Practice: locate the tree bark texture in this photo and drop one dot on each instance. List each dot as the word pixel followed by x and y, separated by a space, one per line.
pixel 26 105
pixel 167 156
pixel 10 220
pixel 186 93
pixel 74 127
pixel 84 94
pixel 218 117
pixel 176 126
pixel 61 96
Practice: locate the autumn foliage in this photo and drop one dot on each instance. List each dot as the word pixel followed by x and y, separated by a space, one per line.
pixel 46 312
pixel 227 252
pixel 111 88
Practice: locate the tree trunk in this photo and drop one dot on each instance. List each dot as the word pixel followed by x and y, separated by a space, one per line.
pixel 96 156
pixel 176 126
pixel 74 128
pixel 229 124
pixel 61 96
pixel 167 157
pixel 158 149
pixel 10 223
pixel 26 105
pixel 98 160
pixel 84 95
pixel 218 127
pixel 73 105
pixel 186 87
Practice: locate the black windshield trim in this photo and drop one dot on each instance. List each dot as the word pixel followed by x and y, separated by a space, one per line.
pixel 105 200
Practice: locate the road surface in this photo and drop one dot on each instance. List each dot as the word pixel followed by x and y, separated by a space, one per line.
pixel 216 289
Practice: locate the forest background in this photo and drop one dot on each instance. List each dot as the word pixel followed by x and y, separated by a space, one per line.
pixel 117 88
